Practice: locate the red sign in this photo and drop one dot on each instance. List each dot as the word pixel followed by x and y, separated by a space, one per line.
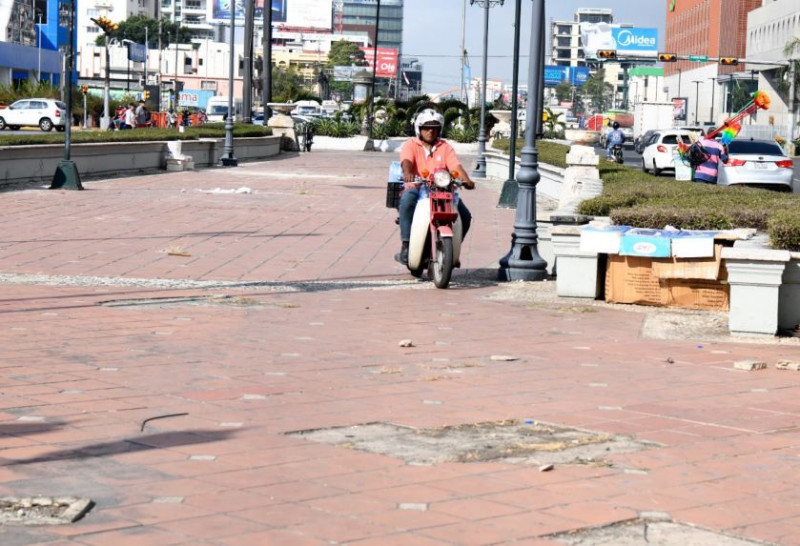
pixel 387 61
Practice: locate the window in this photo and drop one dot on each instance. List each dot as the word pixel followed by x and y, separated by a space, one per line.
pixel 753 147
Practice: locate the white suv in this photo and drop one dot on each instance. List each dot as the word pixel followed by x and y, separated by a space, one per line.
pixel 44 113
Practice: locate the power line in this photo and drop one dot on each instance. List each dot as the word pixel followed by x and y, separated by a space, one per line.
pixel 459 56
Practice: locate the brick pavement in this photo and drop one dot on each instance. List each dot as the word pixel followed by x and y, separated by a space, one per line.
pixel 307 337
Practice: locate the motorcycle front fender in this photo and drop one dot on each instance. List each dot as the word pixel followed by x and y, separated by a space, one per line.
pixel 419 232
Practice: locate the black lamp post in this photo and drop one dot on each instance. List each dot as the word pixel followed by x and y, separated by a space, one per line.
pixel 66 176
pixel 523 261
pixel 508 197
pixel 713 89
pixel 228 159
pixel 370 145
pixel 480 164
pixel 696 99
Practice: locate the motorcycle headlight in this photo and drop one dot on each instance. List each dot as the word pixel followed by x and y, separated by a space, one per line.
pixel 442 179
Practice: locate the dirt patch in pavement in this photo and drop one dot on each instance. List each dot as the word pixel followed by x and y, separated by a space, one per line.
pixel 42 510
pixel 648 533
pixel 512 441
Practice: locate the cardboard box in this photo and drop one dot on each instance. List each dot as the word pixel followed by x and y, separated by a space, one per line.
pixel 695 283
pixel 650 243
pixel 602 240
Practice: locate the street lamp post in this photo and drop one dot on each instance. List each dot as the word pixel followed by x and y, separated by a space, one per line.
pixel 523 261
pixel 508 196
pixel 370 145
pixel 266 53
pixel 696 98
pixel 66 176
pixel 480 164
pixel 228 159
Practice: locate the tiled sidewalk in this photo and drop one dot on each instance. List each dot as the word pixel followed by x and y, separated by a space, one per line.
pixel 310 340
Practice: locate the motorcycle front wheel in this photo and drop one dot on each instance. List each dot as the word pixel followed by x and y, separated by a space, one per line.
pixel 442 267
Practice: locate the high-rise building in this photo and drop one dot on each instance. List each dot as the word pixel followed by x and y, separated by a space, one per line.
pixel 360 15
pixel 713 28
pixel 716 28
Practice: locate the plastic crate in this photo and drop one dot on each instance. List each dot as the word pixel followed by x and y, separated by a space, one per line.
pixel 393 190
pixel 394 185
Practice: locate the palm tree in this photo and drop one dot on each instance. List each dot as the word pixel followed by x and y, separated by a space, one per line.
pixel 554 127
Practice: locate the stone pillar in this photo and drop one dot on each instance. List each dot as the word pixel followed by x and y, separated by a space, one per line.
pixel 581 178
pixel 283 125
pixel 755 277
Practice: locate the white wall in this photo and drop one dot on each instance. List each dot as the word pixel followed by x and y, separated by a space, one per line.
pixel 699 95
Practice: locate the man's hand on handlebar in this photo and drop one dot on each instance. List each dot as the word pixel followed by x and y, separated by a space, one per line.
pixel 468 184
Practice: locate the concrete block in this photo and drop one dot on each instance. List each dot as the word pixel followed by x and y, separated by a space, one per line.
pixel 789 295
pixel 788 365
pixel 577 272
pixel 755 277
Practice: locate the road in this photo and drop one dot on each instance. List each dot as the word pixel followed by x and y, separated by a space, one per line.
pixel 634 160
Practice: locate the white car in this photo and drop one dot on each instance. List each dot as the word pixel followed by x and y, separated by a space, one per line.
pixel 42 113
pixel 756 163
pixel 659 153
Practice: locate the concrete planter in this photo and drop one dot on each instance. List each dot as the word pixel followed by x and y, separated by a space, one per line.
pixel 36 164
pixel 789 295
pixel 552 178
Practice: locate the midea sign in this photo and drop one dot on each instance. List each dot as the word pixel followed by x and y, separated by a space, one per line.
pixel 637 40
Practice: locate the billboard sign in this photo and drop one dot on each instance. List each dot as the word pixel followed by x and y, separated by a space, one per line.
pixel 197 98
pixel 387 61
pixel 317 14
pixel 680 106
pixel 137 53
pixel 575 75
pixel 638 42
pixel 642 42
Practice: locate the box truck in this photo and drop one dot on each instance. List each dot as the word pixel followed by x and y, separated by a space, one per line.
pixel 649 116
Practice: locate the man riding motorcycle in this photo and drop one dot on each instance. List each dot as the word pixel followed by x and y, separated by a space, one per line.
pixel 427 152
pixel 614 138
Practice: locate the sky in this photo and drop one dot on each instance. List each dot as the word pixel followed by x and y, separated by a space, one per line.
pixel 432 33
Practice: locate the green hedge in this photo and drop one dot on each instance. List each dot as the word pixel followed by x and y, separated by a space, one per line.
pixel 211 130
pixel 631 197
pixel 551 153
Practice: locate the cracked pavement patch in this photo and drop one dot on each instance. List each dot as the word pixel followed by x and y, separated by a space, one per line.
pixel 42 510
pixel 510 441
pixel 648 533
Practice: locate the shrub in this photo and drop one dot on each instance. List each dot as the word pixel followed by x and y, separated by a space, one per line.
pixel 784 229
pixel 467 134
pixel 551 153
pixel 213 130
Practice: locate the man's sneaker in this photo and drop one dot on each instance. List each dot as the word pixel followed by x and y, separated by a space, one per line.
pixel 402 256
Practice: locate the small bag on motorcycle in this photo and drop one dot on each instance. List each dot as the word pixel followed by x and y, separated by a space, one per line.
pixel 394 186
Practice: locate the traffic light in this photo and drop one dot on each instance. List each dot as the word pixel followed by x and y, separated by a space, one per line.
pixel 84 89
pixel 728 61
pixel 606 53
pixel 667 57
pixel 145 95
pixel 106 24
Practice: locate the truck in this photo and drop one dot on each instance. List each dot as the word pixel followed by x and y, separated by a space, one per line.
pixel 649 116
pixel 217 109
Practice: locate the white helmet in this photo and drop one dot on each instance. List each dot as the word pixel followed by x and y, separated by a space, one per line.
pixel 428 116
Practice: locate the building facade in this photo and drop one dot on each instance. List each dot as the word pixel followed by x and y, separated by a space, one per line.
pixel 770 30
pixel 713 28
pixel 29 42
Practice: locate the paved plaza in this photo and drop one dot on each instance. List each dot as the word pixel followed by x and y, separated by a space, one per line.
pixel 164 338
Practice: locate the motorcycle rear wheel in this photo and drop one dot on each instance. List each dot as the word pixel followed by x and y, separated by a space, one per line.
pixel 441 269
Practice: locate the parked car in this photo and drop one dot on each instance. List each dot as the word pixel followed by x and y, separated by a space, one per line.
pixel 757 163
pixel 658 154
pixel 257 118
pixel 42 113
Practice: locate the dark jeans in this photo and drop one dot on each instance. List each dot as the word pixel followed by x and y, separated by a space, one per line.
pixel 408 202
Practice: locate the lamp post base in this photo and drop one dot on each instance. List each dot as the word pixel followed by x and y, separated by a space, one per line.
pixel 66 176
pixel 229 161
pixel 522 263
pixel 480 169
pixel 508 195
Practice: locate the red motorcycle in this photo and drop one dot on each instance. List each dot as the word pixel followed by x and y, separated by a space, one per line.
pixel 436 232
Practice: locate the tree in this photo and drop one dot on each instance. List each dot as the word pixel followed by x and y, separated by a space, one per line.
pixel 287 85
pixel 344 53
pixel 133 28
pixel 563 92
pixel 554 128
pixel 598 91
